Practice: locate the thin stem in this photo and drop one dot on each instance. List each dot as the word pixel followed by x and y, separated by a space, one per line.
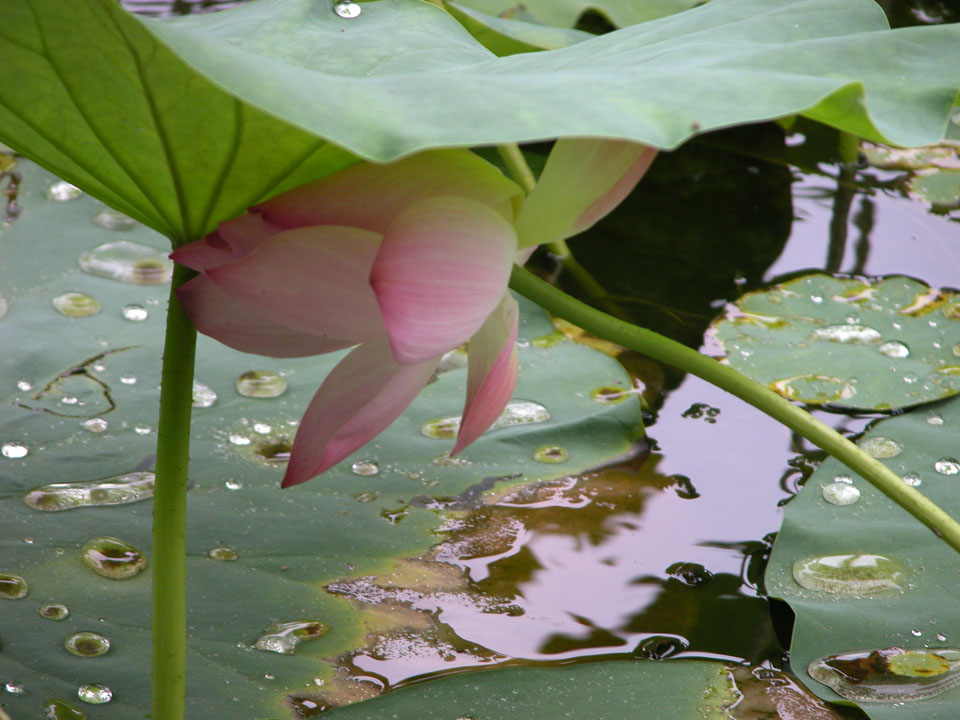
pixel 726 378
pixel 170 510
pixel 519 170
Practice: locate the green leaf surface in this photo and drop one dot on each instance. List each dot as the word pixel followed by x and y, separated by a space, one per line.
pixel 850 343
pixel 346 524
pixel 566 13
pixel 503 36
pixel 105 100
pixel 923 616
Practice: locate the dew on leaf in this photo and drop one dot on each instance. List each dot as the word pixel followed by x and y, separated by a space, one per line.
pixel 237 439
pixel 610 394
pixel 114 220
pixel 346 9
pixel 446 461
pixel 912 479
pixel 222 553
pixel 25 384
pixel 128 262
pixel 880 447
pixel 262 428
pixel 203 395
pixel 53 611
pixel 95 425
pixel 889 675
pixel 142 429
pixel 840 493
pixel 62 191
pixel 13 587
pixel 947 466
pixel 95 693
pixel 284 637
pixel 14 688
pixel 521 412
pixel 894 349
pixel 113 558
pixel 134 313
pixel 87 644
pixel 128 379
pixel 14 450
pixel 116 490
pixel 365 467
pixel 849 333
pixel 551 454
pixel 59 710
pixel 261 384
pixel 935 417
pixel 366 497
pixel 815 388
pixel 76 304
pixel 849 574
pixel 233 484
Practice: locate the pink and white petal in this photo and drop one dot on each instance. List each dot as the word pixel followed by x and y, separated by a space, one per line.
pixel 312 279
pixel 492 374
pixel 370 196
pixel 240 326
pixel 207 252
pixel 442 268
pixel 246 233
pixel 366 392
pixel 583 180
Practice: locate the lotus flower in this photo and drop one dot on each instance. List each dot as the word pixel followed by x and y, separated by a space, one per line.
pixel 406 262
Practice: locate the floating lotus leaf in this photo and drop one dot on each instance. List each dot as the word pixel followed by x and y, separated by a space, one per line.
pixel 851 343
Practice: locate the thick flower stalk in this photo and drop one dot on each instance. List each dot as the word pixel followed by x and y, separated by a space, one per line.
pixel 405 262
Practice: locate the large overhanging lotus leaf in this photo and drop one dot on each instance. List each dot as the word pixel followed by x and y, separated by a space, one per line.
pixel 851 343
pixel 883 580
pixel 182 123
pixel 91 414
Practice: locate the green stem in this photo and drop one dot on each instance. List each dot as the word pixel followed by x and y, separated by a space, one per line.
pixel 726 378
pixel 170 510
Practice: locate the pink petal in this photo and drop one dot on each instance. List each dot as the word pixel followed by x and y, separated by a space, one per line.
pixel 442 268
pixel 366 392
pixel 240 326
pixel 370 196
pixel 207 252
pixel 246 233
pixel 492 373
pixel 312 279
pixel 583 180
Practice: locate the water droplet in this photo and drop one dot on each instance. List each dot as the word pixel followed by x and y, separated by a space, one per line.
pixel 815 388
pixel 366 497
pixel 14 688
pixel 912 479
pixel 134 313
pixel 842 479
pixel 142 429
pixel 284 637
pixel 849 574
pixel 203 395
pixel 850 333
pixel 910 378
pixel 516 413
pixel 114 220
pixel 956 349
pixel 95 693
pixel 889 675
pixel 941 637
pixel 113 558
pixel 128 262
pixel 76 304
pixel 935 417
pixel 446 461
pixel 222 553
pixel 237 439
pixel 346 9
pixel 233 484
pixel 95 425
pixel 916 632
pixel 880 447
pixel 13 587
pixel 610 394
pixel 660 647
pixel 551 454
pixel 261 384
pixel 116 490
pixel 53 611
pixel 840 493
pixel 947 466
pixel 692 574
pixel 894 349
pixel 25 384
pixel 14 450
pixel 69 400
pixel 816 299
pixel 128 379
pixel 63 191
pixel 87 644
pixel 394 516
pixel 59 710
pixel 365 467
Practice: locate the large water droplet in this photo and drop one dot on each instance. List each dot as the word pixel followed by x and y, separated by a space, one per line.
pixel 59 710
pixel 284 637
pixel 62 191
pixel 128 262
pixel 134 313
pixel 113 558
pixel 87 644
pixel 365 467
pixel 346 9
pixel 521 412
pixel 858 334
pixel 95 425
pixel 222 553
pixel 203 395
pixel 261 384
pixel 880 447
pixel 54 611
pixel 117 490
pixel 95 693
pixel 934 417
pixel 889 675
pixel 840 493
pixel 849 574
pixel 551 454
pixel 947 466
pixel 894 349
pixel 912 479
pixel 76 304
pixel 14 450
pixel 13 587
